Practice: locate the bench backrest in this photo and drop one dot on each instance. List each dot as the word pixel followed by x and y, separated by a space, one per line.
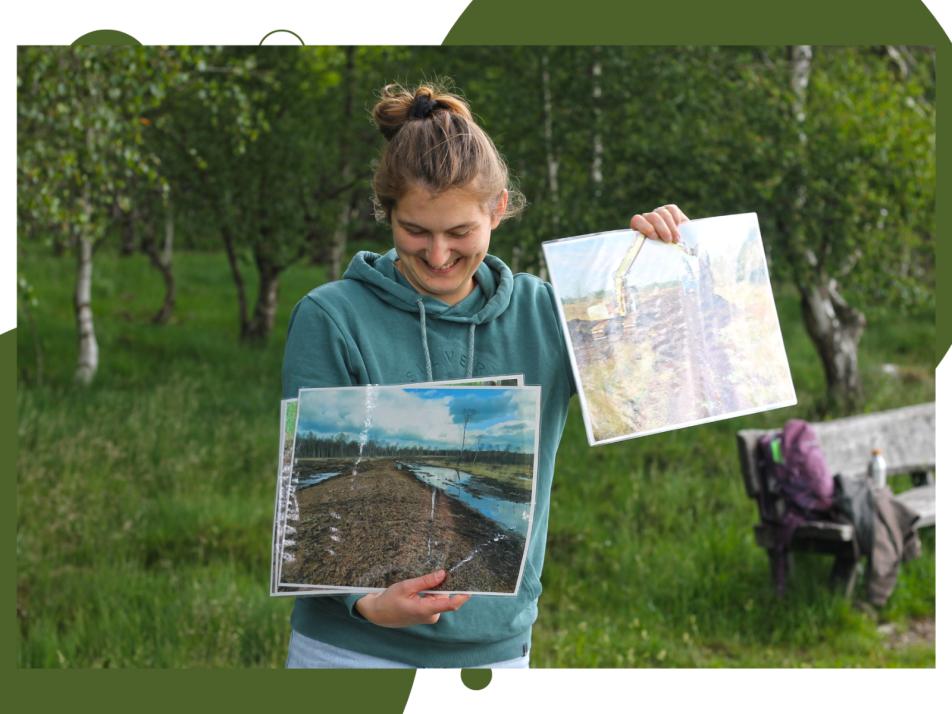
pixel 905 435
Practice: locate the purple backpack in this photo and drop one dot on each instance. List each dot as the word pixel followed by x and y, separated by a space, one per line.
pixel 794 459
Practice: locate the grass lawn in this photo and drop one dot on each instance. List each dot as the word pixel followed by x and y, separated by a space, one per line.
pixel 144 503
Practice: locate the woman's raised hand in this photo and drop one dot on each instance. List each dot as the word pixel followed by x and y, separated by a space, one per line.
pixel 662 223
pixel 402 605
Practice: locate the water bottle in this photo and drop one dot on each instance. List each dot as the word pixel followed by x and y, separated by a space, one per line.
pixel 877 468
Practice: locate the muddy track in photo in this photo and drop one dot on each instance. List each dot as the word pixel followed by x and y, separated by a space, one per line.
pixel 380 525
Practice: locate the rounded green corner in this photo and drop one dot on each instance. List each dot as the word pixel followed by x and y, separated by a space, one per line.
pixel 106 38
pixel 476 679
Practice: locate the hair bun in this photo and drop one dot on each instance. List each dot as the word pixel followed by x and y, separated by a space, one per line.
pixel 422 106
pixel 397 106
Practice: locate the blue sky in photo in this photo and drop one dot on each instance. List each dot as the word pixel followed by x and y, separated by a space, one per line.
pixel 500 417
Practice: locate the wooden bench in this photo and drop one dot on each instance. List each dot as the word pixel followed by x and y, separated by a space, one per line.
pixel 907 439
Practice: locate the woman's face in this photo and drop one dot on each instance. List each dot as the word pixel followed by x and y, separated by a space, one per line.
pixel 441 239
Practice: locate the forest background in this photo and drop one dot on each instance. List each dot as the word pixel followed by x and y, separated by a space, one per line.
pixel 174 203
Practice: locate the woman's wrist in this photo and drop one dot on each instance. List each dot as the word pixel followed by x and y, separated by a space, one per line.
pixel 363 607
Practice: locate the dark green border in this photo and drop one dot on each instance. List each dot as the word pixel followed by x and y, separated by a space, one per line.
pixel 484 22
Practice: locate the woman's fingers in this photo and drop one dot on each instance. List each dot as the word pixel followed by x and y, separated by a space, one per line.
pixel 668 221
pixel 402 604
pixel 432 604
pixel 430 607
pixel 660 227
pixel 661 223
pixel 641 224
pixel 424 582
pixel 678 214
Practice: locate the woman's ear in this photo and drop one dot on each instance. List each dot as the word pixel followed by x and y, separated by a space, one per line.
pixel 499 210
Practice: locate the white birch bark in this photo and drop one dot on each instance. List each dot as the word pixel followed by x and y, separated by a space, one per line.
pixel 598 148
pixel 551 161
pixel 88 358
pixel 551 158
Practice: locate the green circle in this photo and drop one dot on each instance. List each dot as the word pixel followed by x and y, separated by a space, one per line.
pixel 476 678
pixel 100 38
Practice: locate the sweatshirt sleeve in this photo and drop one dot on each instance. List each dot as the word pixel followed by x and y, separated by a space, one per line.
pixel 317 354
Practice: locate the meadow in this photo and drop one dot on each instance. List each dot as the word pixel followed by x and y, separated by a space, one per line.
pixel 144 503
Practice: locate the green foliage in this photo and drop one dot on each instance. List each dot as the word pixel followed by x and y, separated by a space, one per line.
pixel 80 145
pixel 869 175
pixel 144 505
pixel 264 146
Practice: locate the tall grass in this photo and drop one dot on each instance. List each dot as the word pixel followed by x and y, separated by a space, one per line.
pixel 144 503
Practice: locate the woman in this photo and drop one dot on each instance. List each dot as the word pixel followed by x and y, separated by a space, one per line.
pixel 436 307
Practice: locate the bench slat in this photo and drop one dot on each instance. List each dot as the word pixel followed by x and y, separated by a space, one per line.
pixel 922 501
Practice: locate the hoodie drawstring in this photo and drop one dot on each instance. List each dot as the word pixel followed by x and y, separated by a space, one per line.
pixel 472 348
pixel 471 356
pixel 426 348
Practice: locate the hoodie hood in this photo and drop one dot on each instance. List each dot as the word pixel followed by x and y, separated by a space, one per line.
pixel 491 298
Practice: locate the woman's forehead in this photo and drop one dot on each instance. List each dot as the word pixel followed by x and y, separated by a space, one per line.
pixel 448 208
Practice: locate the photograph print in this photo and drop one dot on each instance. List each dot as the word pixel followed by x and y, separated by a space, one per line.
pixel 389 483
pixel 286 501
pixel 669 335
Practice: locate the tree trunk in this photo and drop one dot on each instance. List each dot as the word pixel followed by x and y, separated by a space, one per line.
pixel 162 261
pixel 346 169
pixel 551 158
pixel 237 278
pixel 835 329
pixel 345 172
pixel 598 148
pixel 801 57
pixel 88 354
pixel 266 305
pixel 552 167
pixel 127 230
pixel 168 244
pixel 339 237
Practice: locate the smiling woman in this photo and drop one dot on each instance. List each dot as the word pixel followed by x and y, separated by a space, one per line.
pixel 438 306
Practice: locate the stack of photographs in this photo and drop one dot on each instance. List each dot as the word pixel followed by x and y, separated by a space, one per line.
pixel 664 336
pixel 379 484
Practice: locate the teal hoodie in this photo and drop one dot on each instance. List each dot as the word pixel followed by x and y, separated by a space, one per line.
pixel 372 327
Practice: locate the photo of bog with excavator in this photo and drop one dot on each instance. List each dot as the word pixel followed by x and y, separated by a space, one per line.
pixel 664 336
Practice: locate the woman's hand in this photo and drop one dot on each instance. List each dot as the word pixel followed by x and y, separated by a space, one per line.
pixel 662 223
pixel 401 605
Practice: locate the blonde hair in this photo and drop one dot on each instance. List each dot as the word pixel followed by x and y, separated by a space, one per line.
pixel 433 141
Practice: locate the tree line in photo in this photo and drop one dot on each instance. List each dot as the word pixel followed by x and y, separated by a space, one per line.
pixel 264 154
pixel 312 446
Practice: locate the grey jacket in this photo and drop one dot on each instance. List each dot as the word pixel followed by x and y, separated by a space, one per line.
pixel 885 532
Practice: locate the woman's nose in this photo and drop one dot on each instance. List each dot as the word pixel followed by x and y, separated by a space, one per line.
pixel 439 251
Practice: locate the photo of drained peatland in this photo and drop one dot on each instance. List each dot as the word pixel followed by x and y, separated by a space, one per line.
pixel 375 521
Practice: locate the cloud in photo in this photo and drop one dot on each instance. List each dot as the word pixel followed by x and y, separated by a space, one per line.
pixel 429 417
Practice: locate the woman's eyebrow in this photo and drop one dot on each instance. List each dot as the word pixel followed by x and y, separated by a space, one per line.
pixel 410 224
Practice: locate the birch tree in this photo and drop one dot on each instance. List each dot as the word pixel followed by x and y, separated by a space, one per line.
pixel 859 197
pixel 79 148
